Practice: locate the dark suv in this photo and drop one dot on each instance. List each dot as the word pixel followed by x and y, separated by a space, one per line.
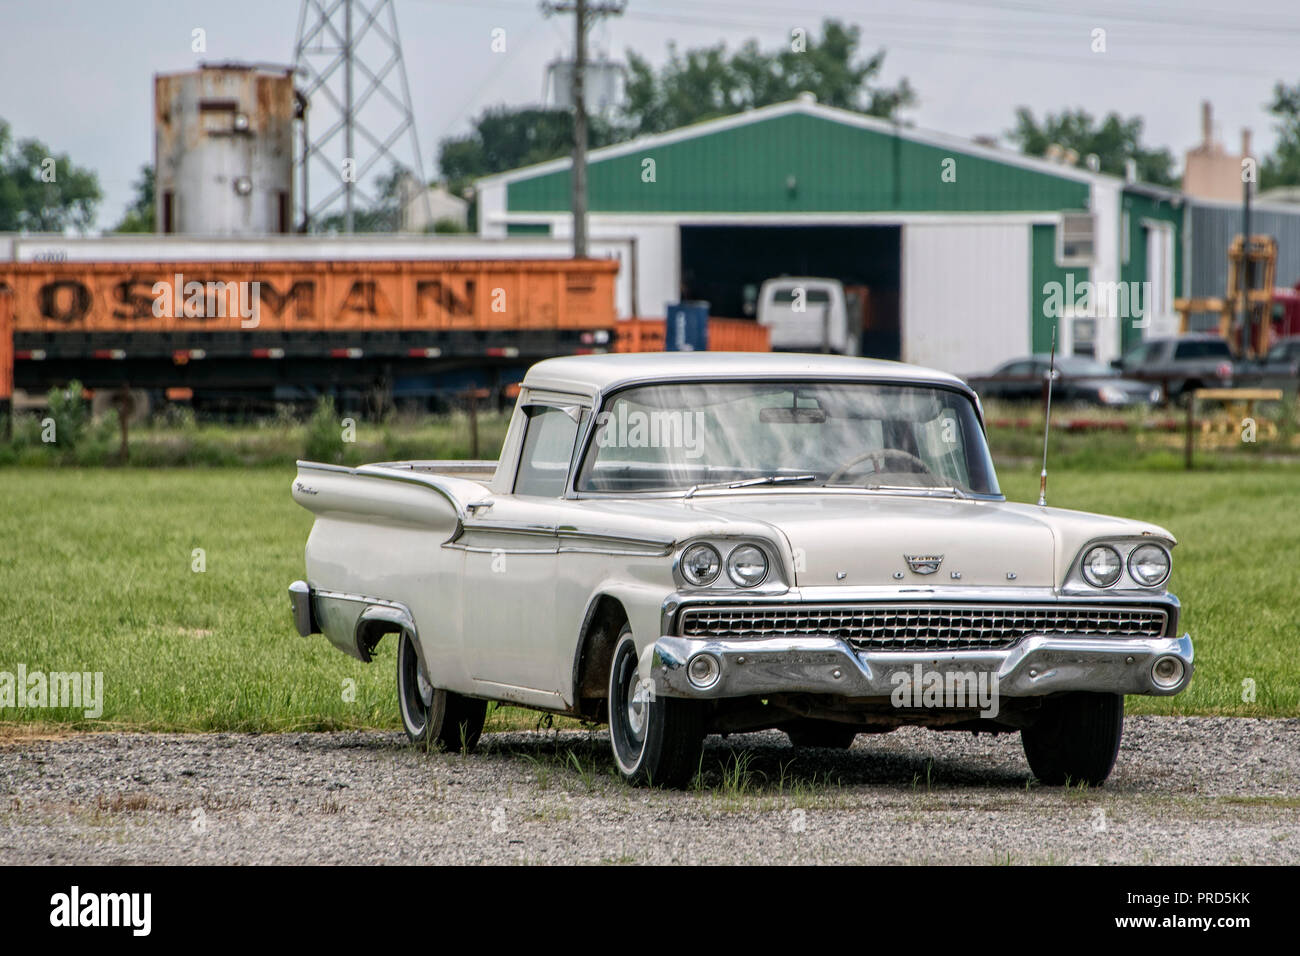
pixel 1180 364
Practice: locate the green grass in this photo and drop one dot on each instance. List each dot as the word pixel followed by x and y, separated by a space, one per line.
pixel 96 575
pixel 179 441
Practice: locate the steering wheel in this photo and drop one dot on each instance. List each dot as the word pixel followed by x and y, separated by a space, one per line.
pixel 877 459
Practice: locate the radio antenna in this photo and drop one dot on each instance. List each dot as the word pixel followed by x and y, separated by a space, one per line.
pixel 1047 423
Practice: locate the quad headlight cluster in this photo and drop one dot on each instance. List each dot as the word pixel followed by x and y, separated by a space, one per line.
pixel 702 564
pixel 1148 565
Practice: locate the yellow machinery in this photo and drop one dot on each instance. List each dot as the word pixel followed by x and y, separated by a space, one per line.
pixel 1257 298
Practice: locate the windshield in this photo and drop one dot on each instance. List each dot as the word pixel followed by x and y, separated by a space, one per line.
pixel 675 437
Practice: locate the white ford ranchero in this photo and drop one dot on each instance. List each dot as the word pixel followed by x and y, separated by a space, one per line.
pixel 683 544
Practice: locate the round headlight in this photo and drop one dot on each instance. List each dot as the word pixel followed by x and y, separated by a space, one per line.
pixel 1149 564
pixel 1102 566
pixel 747 566
pixel 700 564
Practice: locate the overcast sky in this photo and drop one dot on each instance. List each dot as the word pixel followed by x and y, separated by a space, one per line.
pixel 77 74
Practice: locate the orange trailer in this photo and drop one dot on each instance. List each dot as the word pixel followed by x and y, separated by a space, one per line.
pixel 262 327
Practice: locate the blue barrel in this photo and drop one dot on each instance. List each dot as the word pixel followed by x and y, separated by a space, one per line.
pixel 687 327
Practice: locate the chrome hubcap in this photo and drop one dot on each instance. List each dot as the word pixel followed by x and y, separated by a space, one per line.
pixel 424 688
pixel 638 705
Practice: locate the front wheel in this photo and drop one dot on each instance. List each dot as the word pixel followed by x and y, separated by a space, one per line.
pixel 657 741
pixel 1075 739
pixel 431 715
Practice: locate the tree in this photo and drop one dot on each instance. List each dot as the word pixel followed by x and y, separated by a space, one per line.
pixel 383 214
pixel 41 191
pixel 507 138
pixel 140 214
pixel 1282 167
pixel 706 83
pixel 1113 141
pixel 699 84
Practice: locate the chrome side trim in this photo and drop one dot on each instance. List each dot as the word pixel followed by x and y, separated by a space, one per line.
pixel 660 544
pixel 601 543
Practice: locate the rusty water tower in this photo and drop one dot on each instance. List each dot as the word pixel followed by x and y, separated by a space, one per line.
pixel 224 150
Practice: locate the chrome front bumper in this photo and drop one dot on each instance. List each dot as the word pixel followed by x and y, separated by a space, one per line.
pixel 1034 666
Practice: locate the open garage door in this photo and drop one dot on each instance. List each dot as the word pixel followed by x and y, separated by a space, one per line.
pixel 965 295
pixel 726 265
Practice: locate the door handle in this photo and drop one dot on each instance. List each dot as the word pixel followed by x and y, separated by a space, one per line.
pixel 475 506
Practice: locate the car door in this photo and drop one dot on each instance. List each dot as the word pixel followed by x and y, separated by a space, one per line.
pixel 510 545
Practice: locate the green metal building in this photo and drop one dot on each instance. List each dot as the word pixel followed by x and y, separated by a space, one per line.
pixel 971 254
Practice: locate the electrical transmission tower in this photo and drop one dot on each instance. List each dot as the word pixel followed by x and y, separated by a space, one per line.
pixel 348 58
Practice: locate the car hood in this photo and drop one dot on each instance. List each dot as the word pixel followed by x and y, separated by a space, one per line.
pixel 868 537
pixel 858 540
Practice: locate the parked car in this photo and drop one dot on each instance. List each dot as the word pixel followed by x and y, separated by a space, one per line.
pixel 1079 379
pixel 682 544
pixel 1180 364
pixel 1279 368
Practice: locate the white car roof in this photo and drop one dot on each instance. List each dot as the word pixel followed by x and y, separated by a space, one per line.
pixel 600 373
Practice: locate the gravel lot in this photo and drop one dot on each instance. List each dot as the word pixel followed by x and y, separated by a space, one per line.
pixel 1185 790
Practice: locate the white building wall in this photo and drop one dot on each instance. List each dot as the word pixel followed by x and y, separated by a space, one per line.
pixel 492 210
pixel 1106 199
pixel 965 294
pixel 658 265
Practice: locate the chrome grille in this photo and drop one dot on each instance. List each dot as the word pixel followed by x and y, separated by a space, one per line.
pixel 921 627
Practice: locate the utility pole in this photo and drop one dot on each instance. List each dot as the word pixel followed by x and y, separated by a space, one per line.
pixel 583 12
pixel 1247 271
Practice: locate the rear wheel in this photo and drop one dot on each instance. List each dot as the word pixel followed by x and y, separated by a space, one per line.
pixel 1075 739
pixel 431 715
pixel 826 734
pixel 657 741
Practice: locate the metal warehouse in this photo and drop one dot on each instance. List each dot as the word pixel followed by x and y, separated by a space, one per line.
pixel 969 252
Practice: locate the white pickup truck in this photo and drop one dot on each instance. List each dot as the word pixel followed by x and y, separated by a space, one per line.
pixel 691 543
pixel 807 314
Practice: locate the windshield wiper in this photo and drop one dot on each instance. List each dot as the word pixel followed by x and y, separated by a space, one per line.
pixel 948 490
pixel 751 482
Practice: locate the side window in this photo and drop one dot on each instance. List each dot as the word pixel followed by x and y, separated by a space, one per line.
pixel 1017 369
pixel 1202 349
pixel 548 447
pixel 1141 354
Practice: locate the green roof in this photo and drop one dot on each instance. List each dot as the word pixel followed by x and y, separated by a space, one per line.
pixel 800 158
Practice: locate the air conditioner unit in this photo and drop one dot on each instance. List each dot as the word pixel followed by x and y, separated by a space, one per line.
pixel 1075 239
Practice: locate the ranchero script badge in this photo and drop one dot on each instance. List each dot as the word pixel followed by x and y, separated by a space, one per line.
pixel 924 563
